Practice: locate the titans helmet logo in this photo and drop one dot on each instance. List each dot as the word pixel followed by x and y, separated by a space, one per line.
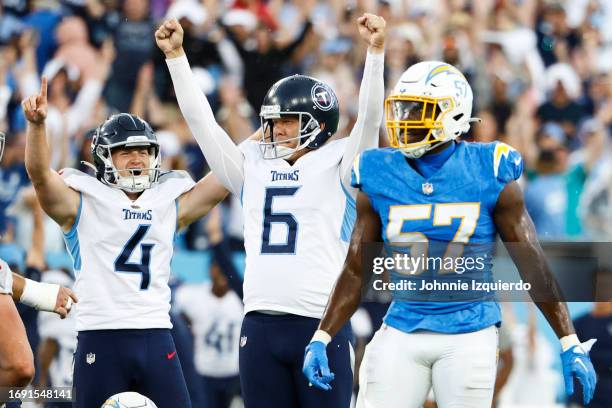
pixel 322 97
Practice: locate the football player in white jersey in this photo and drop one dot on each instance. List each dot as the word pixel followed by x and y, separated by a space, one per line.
pixel 214 312
pixel 119 228
pixel 16 359
pixel 298 209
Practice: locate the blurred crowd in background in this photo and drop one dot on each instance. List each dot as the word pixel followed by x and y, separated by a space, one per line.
pixel 541 72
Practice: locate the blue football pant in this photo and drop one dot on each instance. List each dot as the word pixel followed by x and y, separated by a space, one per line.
pixel 271 359
pixel 108 362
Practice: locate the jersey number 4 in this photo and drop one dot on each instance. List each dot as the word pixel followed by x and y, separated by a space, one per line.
pixel 279 218
pixel 123 266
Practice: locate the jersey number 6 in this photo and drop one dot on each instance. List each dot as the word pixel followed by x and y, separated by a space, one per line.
pixel 122 265
pixel 280 218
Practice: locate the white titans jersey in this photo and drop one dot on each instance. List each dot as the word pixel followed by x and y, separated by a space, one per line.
pixel 297 224
pixel 6 279
pixel 215 323
pixel 122 250
pixel 51 326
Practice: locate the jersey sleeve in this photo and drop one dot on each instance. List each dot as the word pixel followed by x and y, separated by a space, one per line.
pixel 250 149
pixel 507 163
pixel 6 279
pixel 175 183
pixel 76 179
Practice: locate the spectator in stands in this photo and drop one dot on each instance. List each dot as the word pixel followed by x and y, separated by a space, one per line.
pixel 133 39
pixel 563 88
pixel 546 193
pixel 265 58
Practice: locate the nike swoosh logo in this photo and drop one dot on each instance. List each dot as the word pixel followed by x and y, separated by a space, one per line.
pixel 577 360
pixel 171 355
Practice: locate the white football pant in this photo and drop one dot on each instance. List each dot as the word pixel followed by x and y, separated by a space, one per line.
pixel 398 369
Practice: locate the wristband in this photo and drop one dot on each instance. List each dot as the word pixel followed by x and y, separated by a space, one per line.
pixel 322 336
pixel 41 296
pixel 569 341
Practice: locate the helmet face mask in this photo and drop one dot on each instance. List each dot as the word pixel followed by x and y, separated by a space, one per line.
pixel 311 102
pixel 308 129
pixel 430 105
pixel 125 131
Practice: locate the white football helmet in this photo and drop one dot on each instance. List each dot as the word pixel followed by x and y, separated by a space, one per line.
pixel 128 399
pixel 430 104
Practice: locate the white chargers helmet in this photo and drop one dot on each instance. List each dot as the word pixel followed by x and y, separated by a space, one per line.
pixel 430 104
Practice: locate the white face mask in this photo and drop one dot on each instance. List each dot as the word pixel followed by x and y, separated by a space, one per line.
pixel 276 149
pixel 134 184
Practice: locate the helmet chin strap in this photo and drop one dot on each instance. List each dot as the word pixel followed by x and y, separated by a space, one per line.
pixel 421 150
pixel 284 151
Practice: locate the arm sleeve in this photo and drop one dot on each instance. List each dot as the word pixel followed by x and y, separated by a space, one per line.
pixel 223 156
pixel 222 255
pixel 371 105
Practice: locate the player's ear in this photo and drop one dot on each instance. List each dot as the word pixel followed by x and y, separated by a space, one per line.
pixel 322 126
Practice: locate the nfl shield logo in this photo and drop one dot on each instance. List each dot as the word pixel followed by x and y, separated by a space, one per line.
pixel 90 358
pixel 243 341
pixel 427 188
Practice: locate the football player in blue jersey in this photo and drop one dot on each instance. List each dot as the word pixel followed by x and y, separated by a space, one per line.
pixel 431 191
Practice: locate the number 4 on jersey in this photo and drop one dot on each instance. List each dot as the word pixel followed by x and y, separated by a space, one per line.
pixel 122 265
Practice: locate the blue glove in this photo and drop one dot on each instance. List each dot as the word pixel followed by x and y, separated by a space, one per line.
pixel 576 363
pixel 316 367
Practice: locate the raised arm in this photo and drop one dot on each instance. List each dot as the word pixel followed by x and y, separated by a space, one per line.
pixel 58 200
pixel 198 201
pixel 364 134
pixel 223 156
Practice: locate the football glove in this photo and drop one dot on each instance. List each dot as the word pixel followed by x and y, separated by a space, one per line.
pixel 316 366
pixel 576 363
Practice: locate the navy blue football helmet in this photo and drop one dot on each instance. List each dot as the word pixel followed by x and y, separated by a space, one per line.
pixel 125 130
pixel 312 101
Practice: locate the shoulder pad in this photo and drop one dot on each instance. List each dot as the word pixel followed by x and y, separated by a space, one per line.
pixel 368 162
pixel 507 162
pixel 68 172
pixel 174 174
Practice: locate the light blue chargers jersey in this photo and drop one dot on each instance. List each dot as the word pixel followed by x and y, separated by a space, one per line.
pixel 444 217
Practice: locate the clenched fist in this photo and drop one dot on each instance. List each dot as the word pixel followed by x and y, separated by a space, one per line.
pixel 65 299
pixel 372 30
pixel 35 106
pixel 169 38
